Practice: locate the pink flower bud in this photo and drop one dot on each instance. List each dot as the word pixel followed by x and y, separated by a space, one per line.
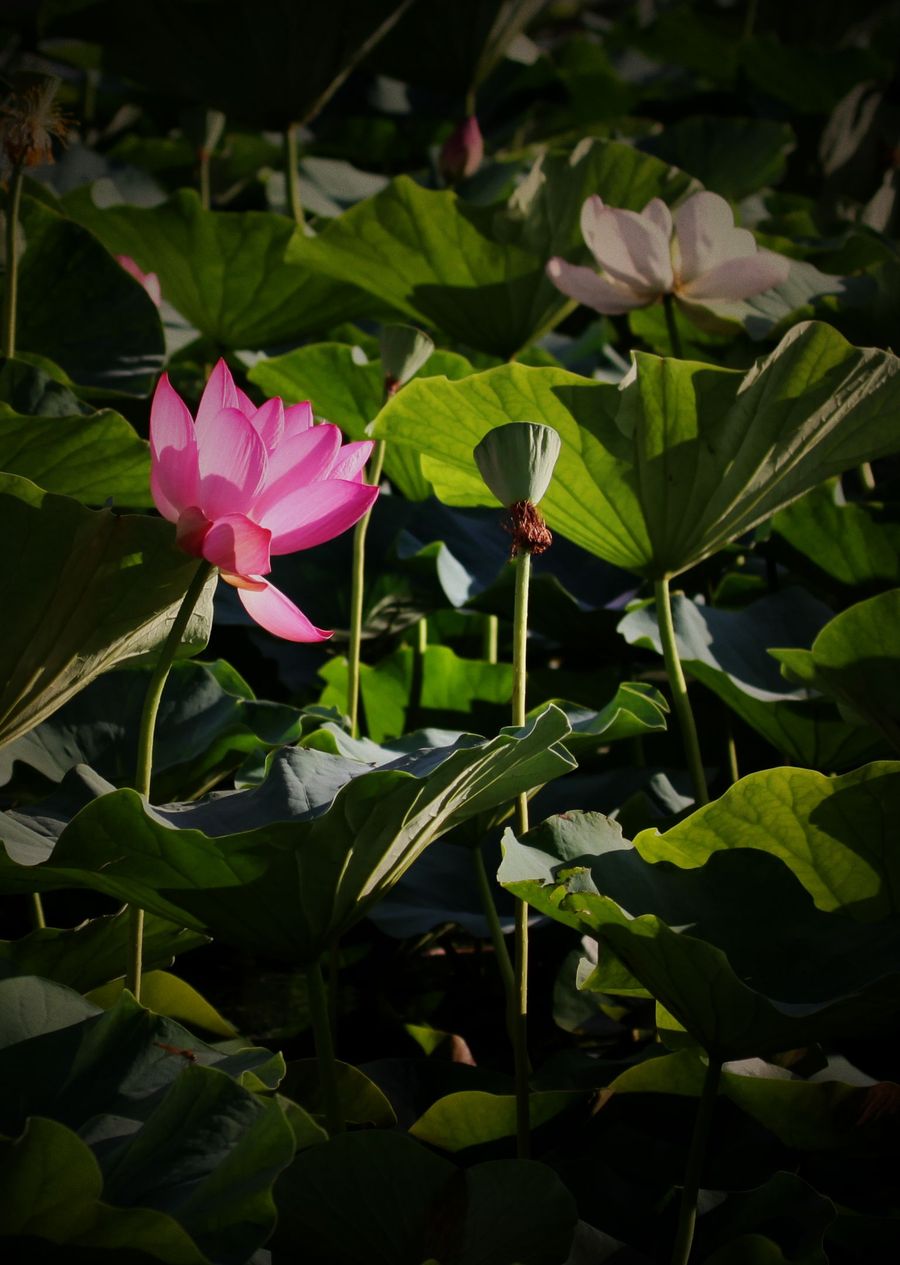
pixel 462 152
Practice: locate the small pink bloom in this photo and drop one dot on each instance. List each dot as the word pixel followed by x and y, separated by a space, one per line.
pixel 462 152
pixel 698 255
pixel 149 280
pixel 243 484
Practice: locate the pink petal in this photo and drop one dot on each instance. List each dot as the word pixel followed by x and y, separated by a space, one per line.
pixel 706 236
pixel 351 460
pixel 659 214
pixel 174 480
pixel 268 422
pixel 278 614
pixel 219 392
pixel 297 418
pixel 244 403
pixel 236 544
pixel 601 293
pixel 306 458
pixel 739 278
pixel 316 513
pixel 232 460
pixel 630 248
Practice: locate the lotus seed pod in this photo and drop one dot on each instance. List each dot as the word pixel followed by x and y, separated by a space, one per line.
pixel 404 350
pixel 517 461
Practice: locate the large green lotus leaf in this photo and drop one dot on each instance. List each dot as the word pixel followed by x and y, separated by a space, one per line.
pixel 225 271
pixel 38 389
pixel 208 722
pixel 64 1057
pixel 362 1102
pixel 474 1117
pixel 347 389
pixel 95 459
pixel 657 475
pixel 684 932
pixel 477 272
pixel 843 538
pixel 208 1155
pixel 286 866
pixel 51 1189
pixel 266 62
pixel 716 452
pixel 413 1206
pixel 855 659
pixel 90 589
pixel 101 328
pixel 834 833
pixel 94 952
pixel 636 708
pixel 590 499
pixel 732 156
pixel 169 1118
pixel 166 994
pixel 814 1116
pixel 727 651
pixel 447 683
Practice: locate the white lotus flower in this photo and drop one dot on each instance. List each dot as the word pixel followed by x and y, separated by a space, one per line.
pixel 698 256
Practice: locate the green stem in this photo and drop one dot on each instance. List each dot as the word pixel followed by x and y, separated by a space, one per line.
pixel 498 939
pixel 205 158
pixel 867 476
pixel 520 1013
pixel 731 751
pixel 37 911
pixel 318 1012
pixel 687 1214
pixel 489 638
pixel 146 730
pixel 10 293
pixel 357 585
pixel 292 174
pixel 671 326
pixel 680 700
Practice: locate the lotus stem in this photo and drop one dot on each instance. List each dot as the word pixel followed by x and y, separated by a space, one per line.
pixel 37 912
pixel 498 939
pixel 520 1013
pixel 146 732
pixel 357 588
pixel 10 295
pixel 671 326
pixel 205 158
pixel 489 638
pixel 687 1214
pixel 318 1011
pixel 677 685
pixel 292 174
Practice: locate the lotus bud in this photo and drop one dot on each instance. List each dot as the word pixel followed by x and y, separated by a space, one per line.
pixel 462 152
pixel 516 462
pixel 404 350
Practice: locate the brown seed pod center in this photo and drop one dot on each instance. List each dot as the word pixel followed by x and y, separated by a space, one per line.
pixel 530 534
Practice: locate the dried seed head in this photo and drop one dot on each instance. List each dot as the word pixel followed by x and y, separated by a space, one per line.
pixel 28 122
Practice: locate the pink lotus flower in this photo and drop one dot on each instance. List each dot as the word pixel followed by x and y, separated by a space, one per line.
pixel 149 280
pixel 462 152
pixel 701 259
pixel 244 484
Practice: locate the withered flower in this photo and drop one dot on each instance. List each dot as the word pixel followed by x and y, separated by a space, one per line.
pixel 29 120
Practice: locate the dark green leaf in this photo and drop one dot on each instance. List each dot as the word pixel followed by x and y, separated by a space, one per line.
pixel 90 590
